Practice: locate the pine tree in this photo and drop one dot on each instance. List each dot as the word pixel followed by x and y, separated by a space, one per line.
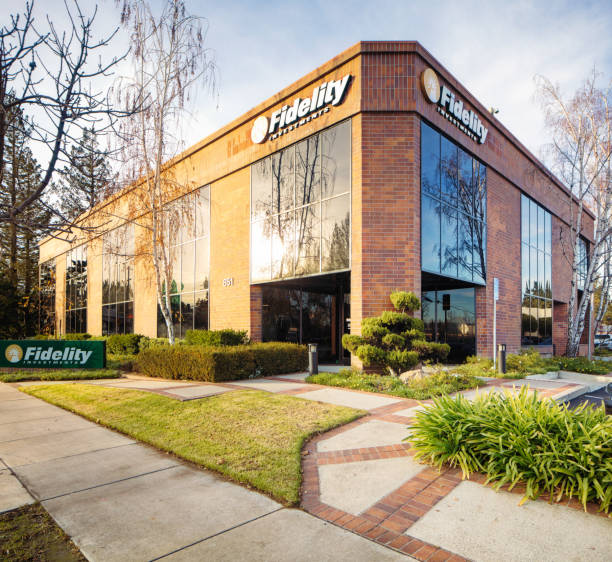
pixel 19 236
pixel 87 176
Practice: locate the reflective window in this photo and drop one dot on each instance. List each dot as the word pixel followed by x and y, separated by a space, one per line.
pixel 536 273
pixel 46 309
pixel 76 290
pixel 453 209
pixel 118 248
pixel 300 208
pixel 450 317
pixel 189 255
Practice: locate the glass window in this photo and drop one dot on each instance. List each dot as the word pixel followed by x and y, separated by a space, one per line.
pixel 190 258
pixel 283 179
pixel 453 222
pixel 308 239
pixel 336 160
pixel 449 242
pixel 76 290
pixel 308 171
pixel 305 228
pixel 525 223
pixel 336 232
pixel 449 170
pixel 536 273
pixel 430 234
pixel 283 245
pixel 118 281
pixel 261 188
pixel 430 161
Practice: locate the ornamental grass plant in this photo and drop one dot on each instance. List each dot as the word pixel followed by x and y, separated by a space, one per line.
pixel 520 439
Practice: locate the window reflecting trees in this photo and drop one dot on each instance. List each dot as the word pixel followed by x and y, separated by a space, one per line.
pixel 46 310
pixel 118 281
pixel 76 290
pixel 536 273
pixel 190 259
pixel 300 208
pixel 453 210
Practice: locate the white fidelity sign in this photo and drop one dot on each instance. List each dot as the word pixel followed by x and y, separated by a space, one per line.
pixel 301 110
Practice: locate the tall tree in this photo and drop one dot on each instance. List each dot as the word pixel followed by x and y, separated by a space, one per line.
pixel 169 60
pixel 51 77
pixel 580 152
pixel 86 178
pixel 19 257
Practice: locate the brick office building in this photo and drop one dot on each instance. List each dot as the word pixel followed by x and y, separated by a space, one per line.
pixel 375 172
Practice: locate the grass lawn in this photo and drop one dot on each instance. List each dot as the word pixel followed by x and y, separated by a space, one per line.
pixel 434 385
pixel 29 533
pixel 59 375
pixel 252 437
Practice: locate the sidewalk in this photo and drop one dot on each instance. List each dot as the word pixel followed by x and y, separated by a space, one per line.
pixel 121 500
pixel 360 477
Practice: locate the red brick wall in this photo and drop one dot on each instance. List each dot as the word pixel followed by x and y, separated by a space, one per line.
pixel 390 213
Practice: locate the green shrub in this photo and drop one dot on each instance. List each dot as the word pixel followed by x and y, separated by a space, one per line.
pixel 122 344
pixel 519 439
pixel 76 337
pixel 214 364
pixel 431 351
pixel 394 341
pixel 216 337
pixel 419 389
pixel 146 343
pixel 582 365
pixel 404 301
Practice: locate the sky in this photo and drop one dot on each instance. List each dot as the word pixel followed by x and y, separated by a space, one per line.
pixel 493 48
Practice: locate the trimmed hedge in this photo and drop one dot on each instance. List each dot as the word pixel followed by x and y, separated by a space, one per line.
pixel 216 337
pixel 120 344
pixel 215 364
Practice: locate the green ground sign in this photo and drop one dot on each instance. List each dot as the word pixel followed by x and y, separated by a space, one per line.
pixel 53 353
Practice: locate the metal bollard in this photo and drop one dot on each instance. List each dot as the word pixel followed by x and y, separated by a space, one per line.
pixel 313 359
pixel 501 358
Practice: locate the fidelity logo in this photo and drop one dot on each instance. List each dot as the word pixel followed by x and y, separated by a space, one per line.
pixel 452 108
pixel 13 353
pixel 301 111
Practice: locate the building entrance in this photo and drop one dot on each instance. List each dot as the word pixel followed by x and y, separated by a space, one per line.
pixel 309 310
pixel 449 316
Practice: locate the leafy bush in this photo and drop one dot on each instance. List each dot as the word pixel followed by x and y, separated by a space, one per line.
pixel 76 337
pixel 395 340
pixel 582 365
pixel 603 352
pixel 214 364
pixel 146 343
pixel 121 344
pixel 529 363
pixel 519 439
pixel 216 337
pixel 419 389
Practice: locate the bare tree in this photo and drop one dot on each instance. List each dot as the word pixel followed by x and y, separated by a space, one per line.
pixel 169 60
pixel 50 78
pixel 581 156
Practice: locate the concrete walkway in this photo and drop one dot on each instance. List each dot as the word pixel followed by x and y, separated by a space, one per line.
pixel 359 478
pixel 121 500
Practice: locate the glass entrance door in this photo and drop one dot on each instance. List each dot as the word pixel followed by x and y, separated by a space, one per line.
pixel 312 314
pixel 450 317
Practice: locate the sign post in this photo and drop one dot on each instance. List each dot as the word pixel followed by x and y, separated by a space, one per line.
pixel 63 354
pixel 495 299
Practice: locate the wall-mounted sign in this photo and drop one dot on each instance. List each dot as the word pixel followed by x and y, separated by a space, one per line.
pixel 452 107
pixel 53 353
pixel 301 111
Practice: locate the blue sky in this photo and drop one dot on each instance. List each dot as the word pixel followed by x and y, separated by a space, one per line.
pixel 494 48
